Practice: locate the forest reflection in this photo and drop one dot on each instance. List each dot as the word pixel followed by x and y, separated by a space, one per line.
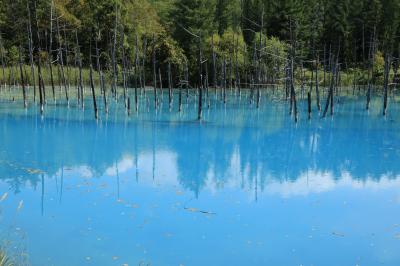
pixel 272 155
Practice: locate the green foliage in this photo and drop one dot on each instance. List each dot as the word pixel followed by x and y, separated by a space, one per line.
pixel 276 53
pixel 12 55
pixel 169 51
pixel 192 18
pixel 227 45
pixel 379 66
pixel 163 8
pixel 181 26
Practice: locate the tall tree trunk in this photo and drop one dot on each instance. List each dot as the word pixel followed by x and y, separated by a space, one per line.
pixel 317 86
pixel 200 64
pixel 154 71
pixel 22 78
pixel 386 84
pixel 61 62
pixel 80 81
pixel 31 60
pixel 114 50
pixel 93 91
pixel 50 51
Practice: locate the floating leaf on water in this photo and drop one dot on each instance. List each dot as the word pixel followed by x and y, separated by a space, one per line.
pixel 179 193
pixel 192 209
pixel 20 205
pixel 34 171
pixel 4 197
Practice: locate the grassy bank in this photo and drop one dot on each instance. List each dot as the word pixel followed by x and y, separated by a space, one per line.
pixel 12 75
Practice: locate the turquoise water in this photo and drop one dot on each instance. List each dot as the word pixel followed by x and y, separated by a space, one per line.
pixel 246 186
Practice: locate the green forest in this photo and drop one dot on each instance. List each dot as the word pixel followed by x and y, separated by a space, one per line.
pixel 161 34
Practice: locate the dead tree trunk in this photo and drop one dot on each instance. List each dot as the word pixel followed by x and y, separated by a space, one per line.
pixel 101 79
pixel 169 85
pixel 50 51
pixel 309 104
pixel 224 80
pixel 68 70
pixel 292 88
pixel 161 86
pixel 329 100
pixel 3 78
pixel 386 84
pixel 30 36
pixel 61 62
pixel 187 80
pixel 93 91
pixel 154 71
pixel 317 86
pixel 293 91
pixel 136 73
pixel 22 78
pixel 214 62
pixel 124 69
pixel 200 107
pixel 237 75
pixel 371 69
pixel 80 81
pixel 114 50
pixel 144 65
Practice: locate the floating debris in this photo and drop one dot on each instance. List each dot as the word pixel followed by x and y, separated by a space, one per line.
pixel 397 236
pixel 191 209
pixel 199 211
pixel 337 234
pixel 34 171
pixel 4 197
pixel 20 205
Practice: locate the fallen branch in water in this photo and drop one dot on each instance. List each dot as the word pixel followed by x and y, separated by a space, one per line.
pixel 197 210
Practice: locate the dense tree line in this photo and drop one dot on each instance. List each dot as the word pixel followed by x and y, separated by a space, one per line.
pixel 232 29
pixel 317 24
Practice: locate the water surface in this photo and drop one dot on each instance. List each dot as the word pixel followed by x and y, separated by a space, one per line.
pixel 246 186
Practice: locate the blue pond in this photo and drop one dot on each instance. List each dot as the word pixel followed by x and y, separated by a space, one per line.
pixel 246 186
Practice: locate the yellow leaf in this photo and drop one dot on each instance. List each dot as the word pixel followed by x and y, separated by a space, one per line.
pixel 20 205
pixel 4 196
